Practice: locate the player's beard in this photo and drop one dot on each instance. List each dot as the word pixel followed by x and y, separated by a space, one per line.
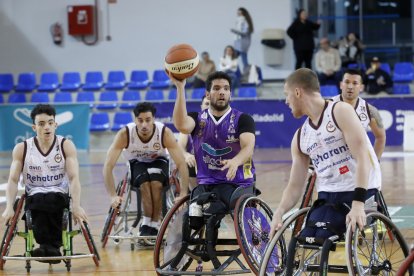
pixel 217 107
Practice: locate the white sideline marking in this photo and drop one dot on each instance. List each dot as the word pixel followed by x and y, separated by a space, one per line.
pixel 394 154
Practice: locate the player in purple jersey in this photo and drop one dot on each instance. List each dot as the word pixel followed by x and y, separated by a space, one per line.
pixel 186 143
pixel 223 138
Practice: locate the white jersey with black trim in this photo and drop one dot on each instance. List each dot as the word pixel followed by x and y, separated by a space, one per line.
pixel 145 151
pixel 44 172
pixel 334 166
pixel 361 109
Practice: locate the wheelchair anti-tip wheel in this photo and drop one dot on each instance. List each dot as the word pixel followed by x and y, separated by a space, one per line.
pixel 378 249
pixel 252 218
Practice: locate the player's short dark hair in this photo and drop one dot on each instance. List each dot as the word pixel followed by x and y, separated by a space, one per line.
pixel 215 76
pixel 354 72
pixel 42 109
pixel 144 107
pixel 305 79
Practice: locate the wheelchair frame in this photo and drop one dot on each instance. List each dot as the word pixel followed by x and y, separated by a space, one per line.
pixel 194 245
pixel 375 220
pixel 67 236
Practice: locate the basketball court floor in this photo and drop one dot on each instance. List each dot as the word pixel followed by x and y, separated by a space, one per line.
pixel 272 168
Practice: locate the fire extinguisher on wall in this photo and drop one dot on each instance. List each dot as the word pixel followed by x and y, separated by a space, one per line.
pixel 57 33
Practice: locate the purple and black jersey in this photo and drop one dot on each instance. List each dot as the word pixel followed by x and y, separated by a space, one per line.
pixel 217 140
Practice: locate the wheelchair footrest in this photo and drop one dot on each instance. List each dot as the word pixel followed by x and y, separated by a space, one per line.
pixel 213 272
pixel 23 258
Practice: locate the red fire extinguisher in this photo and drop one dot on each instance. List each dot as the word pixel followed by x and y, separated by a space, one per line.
pixel 57 33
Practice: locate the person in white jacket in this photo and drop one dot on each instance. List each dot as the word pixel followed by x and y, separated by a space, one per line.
pixel 328 63
pixel 243 32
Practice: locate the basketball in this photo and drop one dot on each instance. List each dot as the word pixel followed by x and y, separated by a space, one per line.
pixel 182 61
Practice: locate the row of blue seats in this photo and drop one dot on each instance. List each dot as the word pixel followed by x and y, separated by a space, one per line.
pixel 110 99
pixel 94 81
pixel 403 71
pixel 397 89
pixel 100 121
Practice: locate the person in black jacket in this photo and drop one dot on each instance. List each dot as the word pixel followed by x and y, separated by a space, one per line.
pixel 301 32
pixel 377 80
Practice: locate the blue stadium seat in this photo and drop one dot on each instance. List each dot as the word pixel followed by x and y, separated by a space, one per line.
pixel 172 94
pixel 86 97
pixel 71 81
pixel 121 119
pixel 1 99
pixel 93 81
pixel 116 80
pixel 17 98
pixel 130 99
pixel 386 67
pixel 139 79
pixel 107 100
pixel 403 72
pixel 6 83
pixel 154 95
pixel 329 90
pixel 26 82
pixel 198 93
pixel 401 89
pixel 49 82
pixel 247 92
pixel 160 80
pixel 63 97
pixel 40 97
pixel 99 122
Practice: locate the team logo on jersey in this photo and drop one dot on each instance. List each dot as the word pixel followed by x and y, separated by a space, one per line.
pixel 204 115
pixel 362 117
pixel 231 129
pixel 343 170
pixel 58 158
pixel 215 152
pixel 232 118
pixel 330 127
pixel 231 139
pixel 157 146
pixel 202 124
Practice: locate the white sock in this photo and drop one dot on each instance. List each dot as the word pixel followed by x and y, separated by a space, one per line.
pixel 146 221
pixel 156 224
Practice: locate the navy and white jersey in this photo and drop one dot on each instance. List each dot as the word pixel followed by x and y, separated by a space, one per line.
pixel 146 152
pixel 334 165
pixel 44 172
pixel 361 109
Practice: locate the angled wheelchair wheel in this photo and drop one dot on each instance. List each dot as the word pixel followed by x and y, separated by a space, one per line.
pixel 90 242
pixel 11 230
pixel 275 258
pixel 252 218
pixel 407 265
pixel 377 249
pixel 113 213
pixel 169 240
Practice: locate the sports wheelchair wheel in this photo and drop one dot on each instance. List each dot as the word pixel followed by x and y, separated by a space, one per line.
pixel 407 265
pixel 113 213
pixel 90 242
pixel 169 239
pixel 378 249
pixel 252 217
pixel 274 260
pixel 11 230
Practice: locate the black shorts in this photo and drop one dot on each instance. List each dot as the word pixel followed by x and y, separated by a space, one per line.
pixel 223 192
pixel 142 172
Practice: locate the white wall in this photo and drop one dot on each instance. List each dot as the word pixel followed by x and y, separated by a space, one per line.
pixel 141 31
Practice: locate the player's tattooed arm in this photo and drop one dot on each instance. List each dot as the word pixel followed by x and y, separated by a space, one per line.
pixel 373 111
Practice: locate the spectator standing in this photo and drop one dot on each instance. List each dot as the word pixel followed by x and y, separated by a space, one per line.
pixel 301 32
pixel 243 31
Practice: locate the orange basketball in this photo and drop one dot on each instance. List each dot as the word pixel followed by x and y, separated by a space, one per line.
pixel 182 61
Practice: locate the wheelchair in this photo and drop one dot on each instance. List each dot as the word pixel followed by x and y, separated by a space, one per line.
pixel 377 249
pixel 407 265
pixel 182 249
pixel 68 234
pixel 118 227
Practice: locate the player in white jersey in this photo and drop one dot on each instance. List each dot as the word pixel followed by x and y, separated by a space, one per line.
pixel 49 168
pixel 144 144
pixel 351 86
pixel 334 140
